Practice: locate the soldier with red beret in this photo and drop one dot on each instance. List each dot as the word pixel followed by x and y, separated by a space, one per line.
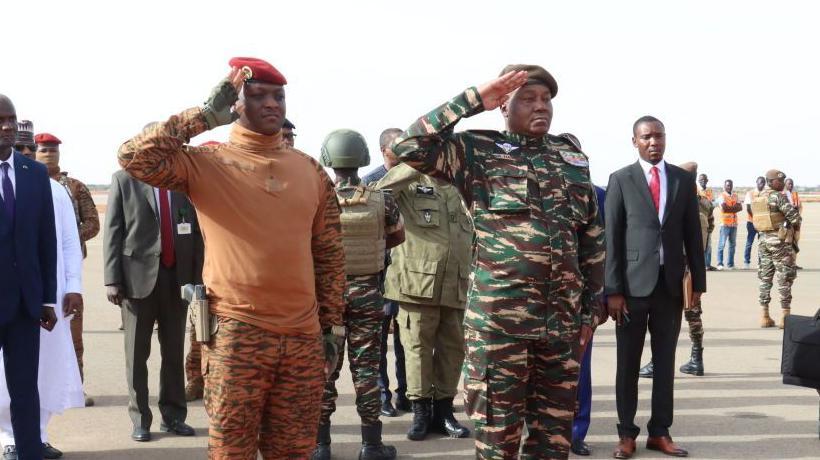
pixel 88 220
pixel 274 264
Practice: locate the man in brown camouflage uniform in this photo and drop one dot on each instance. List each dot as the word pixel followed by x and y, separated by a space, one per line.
pixel 274 262
pixel 88 221
pixel 371 223
pixel 539 255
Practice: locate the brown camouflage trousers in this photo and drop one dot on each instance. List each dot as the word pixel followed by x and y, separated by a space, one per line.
pixel 77 337
pixel 363 319
pixel 193 360
pixel 776 256
pixel 693 317
pixel 511 381
pixel 263 392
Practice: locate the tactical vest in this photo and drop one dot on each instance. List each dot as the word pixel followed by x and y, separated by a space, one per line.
pixel 764 218
pixel 363 231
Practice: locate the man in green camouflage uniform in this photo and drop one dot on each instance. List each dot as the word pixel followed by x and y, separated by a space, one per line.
pixel 777 247
pixel 538 259
pixel 371 222
pixel 428 277
pixel 88 221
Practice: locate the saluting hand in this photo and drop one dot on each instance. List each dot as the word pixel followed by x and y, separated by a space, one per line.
pixel 496 92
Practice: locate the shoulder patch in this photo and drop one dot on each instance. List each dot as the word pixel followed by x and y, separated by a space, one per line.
pixel 574 158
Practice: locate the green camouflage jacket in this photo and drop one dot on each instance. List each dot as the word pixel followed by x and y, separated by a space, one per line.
pixel 538 260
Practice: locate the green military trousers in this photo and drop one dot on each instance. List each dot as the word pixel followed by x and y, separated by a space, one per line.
pixel 511 381
pixel 433 341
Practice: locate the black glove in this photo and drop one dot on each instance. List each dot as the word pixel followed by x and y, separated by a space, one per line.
pixel 217 110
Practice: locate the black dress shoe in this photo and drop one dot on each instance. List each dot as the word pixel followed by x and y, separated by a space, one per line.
pixel 388 410
pixel 403 404
pixel 9 453
pixel 141 434
pixel 177 427
pixel 50 451
pixel 580 448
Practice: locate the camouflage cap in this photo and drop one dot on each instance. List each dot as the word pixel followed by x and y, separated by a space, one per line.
pixel 535 74
pixel 773 174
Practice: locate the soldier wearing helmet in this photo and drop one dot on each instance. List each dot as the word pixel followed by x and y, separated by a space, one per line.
pixel 371 223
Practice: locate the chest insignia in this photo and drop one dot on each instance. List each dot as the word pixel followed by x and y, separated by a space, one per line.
pixel 574 158
pixel 425 190
pixel 507 147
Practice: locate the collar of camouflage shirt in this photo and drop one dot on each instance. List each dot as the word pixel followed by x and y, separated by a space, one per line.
pixel 527 141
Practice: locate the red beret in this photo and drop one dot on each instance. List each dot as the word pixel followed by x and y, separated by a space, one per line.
pixel 46 138
pixel 205 144
pixel 261 70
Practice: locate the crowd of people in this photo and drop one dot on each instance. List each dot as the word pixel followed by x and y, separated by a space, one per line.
pixel 487 254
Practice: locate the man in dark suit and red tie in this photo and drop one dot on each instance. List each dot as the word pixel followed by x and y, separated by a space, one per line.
pixel 651 219
pixel 28 279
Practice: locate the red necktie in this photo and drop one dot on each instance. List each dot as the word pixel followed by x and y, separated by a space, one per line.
pixel 655 188
pixel 166 230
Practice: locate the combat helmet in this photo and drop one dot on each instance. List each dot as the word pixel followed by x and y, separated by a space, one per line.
pixel 344 148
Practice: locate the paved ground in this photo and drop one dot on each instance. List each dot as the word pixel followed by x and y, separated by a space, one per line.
pixel 739 410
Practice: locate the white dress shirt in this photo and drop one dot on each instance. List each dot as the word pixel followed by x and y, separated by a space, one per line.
pixel 11 175
pixel 647 172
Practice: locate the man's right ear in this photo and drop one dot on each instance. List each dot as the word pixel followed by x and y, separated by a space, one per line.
pixel 504 109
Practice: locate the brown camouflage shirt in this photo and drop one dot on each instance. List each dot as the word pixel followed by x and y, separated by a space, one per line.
pixel 88 219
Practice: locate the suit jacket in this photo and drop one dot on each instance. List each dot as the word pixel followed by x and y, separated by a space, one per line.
pixel 634 234
pixel 132 245
pixel 28 246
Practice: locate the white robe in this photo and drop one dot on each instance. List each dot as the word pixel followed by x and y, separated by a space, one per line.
pixel 58 380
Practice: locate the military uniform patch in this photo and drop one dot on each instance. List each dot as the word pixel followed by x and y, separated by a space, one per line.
pixel 574 158
pixel 506 147
pixel 425 190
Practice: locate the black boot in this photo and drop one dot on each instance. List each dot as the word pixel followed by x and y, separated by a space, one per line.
pixel 402 403
pixel 647 371
pixel 372 447
pixel 445 422
pixel 695 364
pixel 322 450
pixel 421 420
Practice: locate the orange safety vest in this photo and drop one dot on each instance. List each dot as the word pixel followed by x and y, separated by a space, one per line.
pixel 795 200
pixel 708 193
pixel 729 219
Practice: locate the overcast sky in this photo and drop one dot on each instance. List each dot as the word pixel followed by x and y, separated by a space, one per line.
pixel 736 82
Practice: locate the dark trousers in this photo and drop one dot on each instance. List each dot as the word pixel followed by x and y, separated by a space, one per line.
pixel 165 307
pixel 751 233
pixel 580 425
pixel 391 310
pixel 661 314
pixel 20 341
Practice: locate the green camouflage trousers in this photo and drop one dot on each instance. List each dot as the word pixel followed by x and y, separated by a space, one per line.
pixel 363 318
pixel 693 317
pixel 776 256
pixel 510 381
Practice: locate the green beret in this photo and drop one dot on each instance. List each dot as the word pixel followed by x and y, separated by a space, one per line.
pixel 535 74
pixel 773 174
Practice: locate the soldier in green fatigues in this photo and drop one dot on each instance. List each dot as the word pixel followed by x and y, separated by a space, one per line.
pixel 371 222
pixel 537 275
pixel 428 276
pixel 777 221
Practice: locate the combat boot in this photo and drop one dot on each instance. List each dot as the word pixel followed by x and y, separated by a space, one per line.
pixel 322 450
pixel 444 422
pixel 647 371
pixel 372 446
pixel 421 420
pixel 765 319
pixel 695 364
pixel 786 312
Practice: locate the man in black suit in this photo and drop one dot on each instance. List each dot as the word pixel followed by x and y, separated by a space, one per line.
pixel 652 231
pixel 152 245
pixel 28 279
